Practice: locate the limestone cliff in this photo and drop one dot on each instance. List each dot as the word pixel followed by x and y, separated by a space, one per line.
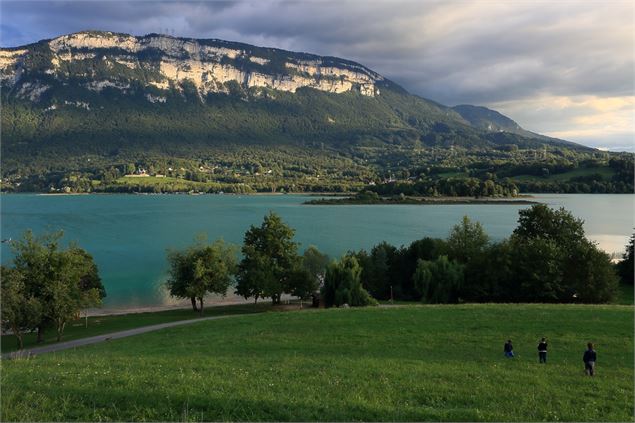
pixel 99 60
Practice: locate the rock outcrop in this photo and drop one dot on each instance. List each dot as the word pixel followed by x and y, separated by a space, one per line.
pixel 101 60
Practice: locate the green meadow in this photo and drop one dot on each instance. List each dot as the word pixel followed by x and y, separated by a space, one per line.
pixel 403 363
pixel 606 172
pixel 99 325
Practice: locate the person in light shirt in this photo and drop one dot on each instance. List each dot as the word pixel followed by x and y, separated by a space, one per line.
pixel 542 351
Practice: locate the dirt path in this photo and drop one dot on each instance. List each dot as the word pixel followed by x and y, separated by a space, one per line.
pixel 107 337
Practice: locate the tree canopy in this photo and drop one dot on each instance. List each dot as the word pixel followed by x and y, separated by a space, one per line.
pixel 200 270
pixel 342 284
pixel 269 257
pixel 58 281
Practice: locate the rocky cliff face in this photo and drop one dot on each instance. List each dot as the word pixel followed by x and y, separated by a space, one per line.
pixel 99 60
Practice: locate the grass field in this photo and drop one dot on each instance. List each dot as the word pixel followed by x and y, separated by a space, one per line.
pixel 625 295
pixel 153 180
pixel 606 172
pixel 393 363
pixel 106 324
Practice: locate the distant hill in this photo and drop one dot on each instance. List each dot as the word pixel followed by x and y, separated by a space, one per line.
pixel 88 101
pixel 107 90
pixel 493 121
pixel 488 119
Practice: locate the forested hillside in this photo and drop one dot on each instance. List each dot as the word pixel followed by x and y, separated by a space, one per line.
pixel 99 111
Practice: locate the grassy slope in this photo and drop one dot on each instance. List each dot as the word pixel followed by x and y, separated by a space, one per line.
pixel 404 363
pixel 625 295
pixel 606 172
pixel 106 324
pixel 152 181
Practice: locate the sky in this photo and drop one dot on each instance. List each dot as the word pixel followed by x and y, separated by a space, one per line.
pixel 561 68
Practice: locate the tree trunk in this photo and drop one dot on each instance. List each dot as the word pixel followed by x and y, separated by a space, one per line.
pixel 60 330
pixel 18 336
pixel 40 334
pixel 193 299
pixel 200 299
pixel 255 300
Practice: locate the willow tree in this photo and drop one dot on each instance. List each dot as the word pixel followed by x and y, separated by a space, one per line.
pixel 342 284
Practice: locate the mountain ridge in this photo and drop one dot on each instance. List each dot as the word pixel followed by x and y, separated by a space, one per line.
pixel 85 109
pixel 324 69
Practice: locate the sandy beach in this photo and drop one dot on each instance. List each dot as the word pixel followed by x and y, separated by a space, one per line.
pixel 175 305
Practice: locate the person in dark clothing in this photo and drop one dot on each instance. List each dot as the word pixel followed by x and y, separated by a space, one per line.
pixel 508 349
pixel 542 351
pixel 589 359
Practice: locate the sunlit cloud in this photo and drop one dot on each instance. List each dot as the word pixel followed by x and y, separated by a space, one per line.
pixel 585 119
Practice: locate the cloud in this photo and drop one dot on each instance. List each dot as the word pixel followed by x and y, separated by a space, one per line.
pixel 518 55
pixel 606 122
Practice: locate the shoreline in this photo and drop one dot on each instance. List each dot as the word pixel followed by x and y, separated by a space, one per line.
pixel 178 305
pixel 254 194
pixel 391 201
pixel 275 194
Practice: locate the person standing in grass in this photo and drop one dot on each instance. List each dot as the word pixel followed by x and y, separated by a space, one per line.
pixel 509 349
pixel 589 359
pixel 542 351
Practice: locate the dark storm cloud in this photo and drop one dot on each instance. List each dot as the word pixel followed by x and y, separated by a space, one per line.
pixel 480 52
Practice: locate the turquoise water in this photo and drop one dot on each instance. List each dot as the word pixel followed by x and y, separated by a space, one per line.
pixel 128 235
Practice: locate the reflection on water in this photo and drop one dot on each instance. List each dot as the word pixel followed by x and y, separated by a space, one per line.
pixel 612 244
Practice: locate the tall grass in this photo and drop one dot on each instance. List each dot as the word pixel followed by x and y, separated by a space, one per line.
pixel 401 363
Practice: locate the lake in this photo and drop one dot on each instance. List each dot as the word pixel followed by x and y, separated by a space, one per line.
pixel 128 234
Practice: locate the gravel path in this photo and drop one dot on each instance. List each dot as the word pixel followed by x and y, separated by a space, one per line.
pixel 106 337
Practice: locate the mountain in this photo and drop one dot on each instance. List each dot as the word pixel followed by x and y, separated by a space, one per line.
pixel 87 101
pixel 493 121
pixel 488 119
pixel 92 76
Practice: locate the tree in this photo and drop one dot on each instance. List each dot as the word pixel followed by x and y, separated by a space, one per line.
pixel 20 312
pixel 63 281
pixel 424 249
pixel 377 280
pixel 200 270
pixel 302 283
pixel 537 271
pixel 90 279
pixel 342 284
pixel 65 292
pixel 269 257
pixel 540 221
pixel 592 276
pixel 551 259
pixel 315 262
pixel 306 278
pixel 488 276
pixel 467 240
pixel 625 267
pixel 438 281
pixel 31 260
pixel 179 276
pixel 468 243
